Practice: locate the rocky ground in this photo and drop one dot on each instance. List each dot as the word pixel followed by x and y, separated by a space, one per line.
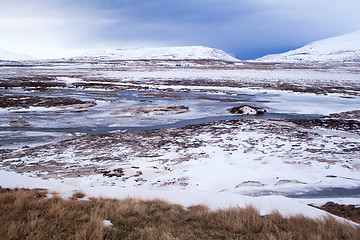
pixel 343 122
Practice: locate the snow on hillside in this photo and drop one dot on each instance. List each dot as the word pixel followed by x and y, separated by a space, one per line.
pixel 341 48
pixel 12 56
pixel 165 53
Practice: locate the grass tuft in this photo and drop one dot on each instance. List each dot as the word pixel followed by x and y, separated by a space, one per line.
pixel 78 195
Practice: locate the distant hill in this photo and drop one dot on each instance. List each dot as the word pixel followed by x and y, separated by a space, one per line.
pixel 164 53
pixel 12 56
pixel 341 48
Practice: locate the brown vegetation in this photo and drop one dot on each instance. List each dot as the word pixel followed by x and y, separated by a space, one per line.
pixel 29 214
pixel 24 101
pixel 351 212
pixel 78 195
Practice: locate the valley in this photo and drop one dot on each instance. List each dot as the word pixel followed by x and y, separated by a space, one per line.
pixel 163 128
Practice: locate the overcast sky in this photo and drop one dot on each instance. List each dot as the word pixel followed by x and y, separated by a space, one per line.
pixel 246 29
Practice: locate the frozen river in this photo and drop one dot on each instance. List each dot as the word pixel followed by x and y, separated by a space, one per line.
pixel 54 124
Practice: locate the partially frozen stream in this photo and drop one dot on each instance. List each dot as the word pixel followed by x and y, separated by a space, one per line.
pixel 53 124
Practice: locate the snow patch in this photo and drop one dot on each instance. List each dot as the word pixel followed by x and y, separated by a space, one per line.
pixel 107 223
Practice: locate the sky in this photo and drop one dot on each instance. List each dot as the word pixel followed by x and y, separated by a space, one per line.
pixel 246 29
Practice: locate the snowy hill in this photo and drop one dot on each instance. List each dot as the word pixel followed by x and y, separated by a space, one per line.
pixel 341 48
pixel 164 53
pixel 12 56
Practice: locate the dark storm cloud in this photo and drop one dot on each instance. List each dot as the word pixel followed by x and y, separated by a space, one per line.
pixel 213 23
pixel 246 28
pixel 170 19
pixel 185 11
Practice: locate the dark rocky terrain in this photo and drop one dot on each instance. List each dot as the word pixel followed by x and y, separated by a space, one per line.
pixel 26 101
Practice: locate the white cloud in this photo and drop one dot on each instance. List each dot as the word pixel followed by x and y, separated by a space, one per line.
pixel 47 28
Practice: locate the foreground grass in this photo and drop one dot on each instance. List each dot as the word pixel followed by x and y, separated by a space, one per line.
pixel 29 214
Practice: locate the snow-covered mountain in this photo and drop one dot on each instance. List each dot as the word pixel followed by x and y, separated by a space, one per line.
pixel 164 53
pixel 12 56
pixel 341 48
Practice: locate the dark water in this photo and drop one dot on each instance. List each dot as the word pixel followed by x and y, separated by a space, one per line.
pixel 329 193
pixel 312 193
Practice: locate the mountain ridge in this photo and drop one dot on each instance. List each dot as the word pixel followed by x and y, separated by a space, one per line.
pixel 163 53
pixel 339 48
pixel 14 56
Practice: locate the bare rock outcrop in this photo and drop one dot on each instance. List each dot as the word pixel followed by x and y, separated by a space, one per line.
pixel 19 123
pixel 246 109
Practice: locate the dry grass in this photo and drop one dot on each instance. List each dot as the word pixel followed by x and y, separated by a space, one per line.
pixel 29 214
